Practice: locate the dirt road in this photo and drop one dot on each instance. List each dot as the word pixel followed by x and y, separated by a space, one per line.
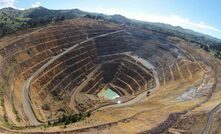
pixel 25 91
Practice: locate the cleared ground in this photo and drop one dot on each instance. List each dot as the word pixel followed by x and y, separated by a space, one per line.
pixel 166 84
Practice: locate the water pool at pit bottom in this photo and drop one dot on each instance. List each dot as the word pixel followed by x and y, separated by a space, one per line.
pixel 109 94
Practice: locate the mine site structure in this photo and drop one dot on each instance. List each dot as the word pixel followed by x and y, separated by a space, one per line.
pixel 122 75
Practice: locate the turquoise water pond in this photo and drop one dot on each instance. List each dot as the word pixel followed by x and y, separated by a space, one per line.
pixel 110 94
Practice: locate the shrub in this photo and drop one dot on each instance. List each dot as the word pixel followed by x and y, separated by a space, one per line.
pixel 72 118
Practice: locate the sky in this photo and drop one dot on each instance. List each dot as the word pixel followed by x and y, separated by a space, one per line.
pixel 199 15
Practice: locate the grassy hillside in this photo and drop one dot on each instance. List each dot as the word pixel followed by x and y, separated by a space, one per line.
pixel 12 20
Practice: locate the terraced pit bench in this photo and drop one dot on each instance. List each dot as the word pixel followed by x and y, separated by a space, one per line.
pixel 64 68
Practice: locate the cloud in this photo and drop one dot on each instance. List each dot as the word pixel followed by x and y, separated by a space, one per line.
pixel 36 4
pixel 7 3
pixel 174 20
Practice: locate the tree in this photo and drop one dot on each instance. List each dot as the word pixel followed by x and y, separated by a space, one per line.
pixel 206 48
pixel 49 123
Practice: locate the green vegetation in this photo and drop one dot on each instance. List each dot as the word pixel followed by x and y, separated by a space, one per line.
pixel 12 20
pixel 15 111
pixel 214 50
pixel 206 48
pixel 218 54
pixel 65 120
pixel 1 95
pixel 217 50
pixel 2 89
pixel 5 121
pixel 186 34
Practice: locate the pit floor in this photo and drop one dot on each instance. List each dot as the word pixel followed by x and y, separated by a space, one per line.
pixel 108 94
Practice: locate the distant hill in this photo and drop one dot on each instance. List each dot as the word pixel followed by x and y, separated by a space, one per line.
pixel 187 33
pixel 12 20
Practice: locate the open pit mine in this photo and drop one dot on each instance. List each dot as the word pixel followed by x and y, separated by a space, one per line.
pixel 95 76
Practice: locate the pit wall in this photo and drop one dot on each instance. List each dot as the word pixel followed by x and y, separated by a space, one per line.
pixel 25 54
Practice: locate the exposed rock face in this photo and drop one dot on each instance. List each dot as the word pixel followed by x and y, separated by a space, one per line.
pixel 65 66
